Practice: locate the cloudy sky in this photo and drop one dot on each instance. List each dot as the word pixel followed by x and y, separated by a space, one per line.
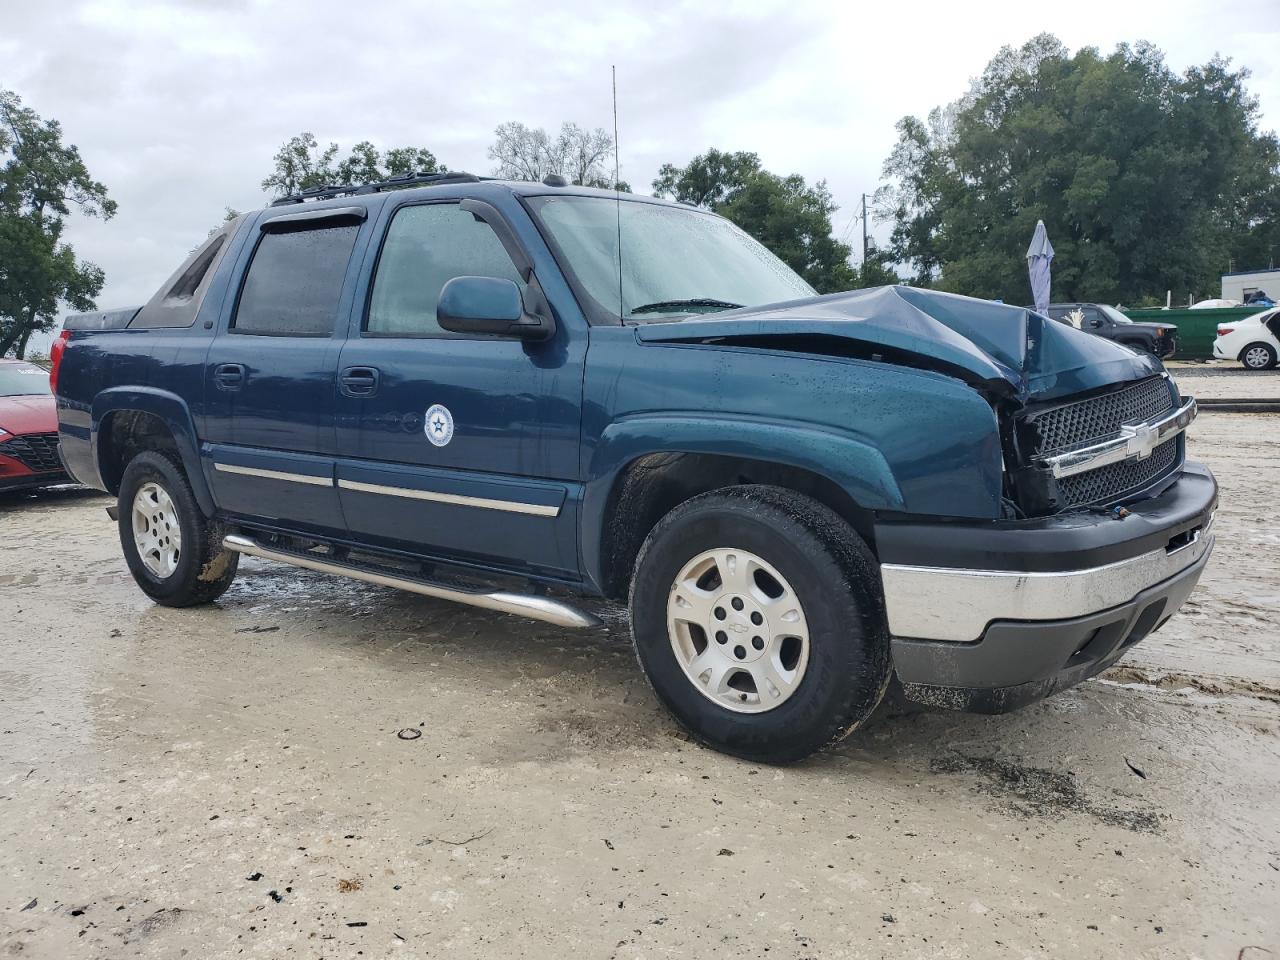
pixel 179 106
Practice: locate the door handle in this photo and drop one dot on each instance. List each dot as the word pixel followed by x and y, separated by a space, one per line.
pixel 229 376
pixel 359 381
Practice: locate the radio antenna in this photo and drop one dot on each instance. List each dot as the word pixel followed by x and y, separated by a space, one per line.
pixel 617 193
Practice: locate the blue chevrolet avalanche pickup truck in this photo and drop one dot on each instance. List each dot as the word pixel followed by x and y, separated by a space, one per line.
pixel 512 394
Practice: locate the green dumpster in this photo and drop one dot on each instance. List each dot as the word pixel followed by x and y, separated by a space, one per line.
pixel 1197 329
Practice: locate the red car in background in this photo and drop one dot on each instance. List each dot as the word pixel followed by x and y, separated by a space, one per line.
pixel 28 428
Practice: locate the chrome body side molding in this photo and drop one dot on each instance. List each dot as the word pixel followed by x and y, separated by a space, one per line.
pixel 457 499
pixel 511 506
pixel 274 474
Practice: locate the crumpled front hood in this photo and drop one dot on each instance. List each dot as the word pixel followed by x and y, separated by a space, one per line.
pixel 1014 351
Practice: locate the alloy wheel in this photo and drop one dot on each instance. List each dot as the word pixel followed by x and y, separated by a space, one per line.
pixel 738 630
pixel 156 532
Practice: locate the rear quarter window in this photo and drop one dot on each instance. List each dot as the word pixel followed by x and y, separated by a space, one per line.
pixel 179 300
pixel 294 283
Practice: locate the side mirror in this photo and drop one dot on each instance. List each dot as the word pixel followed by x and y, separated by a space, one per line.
pixel 489 305
pixel 1095 323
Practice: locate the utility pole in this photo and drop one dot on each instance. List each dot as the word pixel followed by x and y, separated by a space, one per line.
pixel 864 231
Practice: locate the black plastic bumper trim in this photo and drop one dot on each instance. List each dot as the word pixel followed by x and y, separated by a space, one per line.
pixel 1075 540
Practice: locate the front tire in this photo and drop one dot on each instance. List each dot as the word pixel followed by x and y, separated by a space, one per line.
pixel 174 553
pixel 757 616
pixel 1258 356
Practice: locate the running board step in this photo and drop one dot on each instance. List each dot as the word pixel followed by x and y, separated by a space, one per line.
pixel 522 605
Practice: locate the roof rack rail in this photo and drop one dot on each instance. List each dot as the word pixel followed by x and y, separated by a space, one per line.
pixel 330 190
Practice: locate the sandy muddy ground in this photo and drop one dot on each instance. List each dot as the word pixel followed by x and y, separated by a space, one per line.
pixel 229 781
pixel 1226 380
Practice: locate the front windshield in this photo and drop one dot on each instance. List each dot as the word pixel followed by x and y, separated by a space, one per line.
pixel 23 379
pixel 1115 315
pixel 675 260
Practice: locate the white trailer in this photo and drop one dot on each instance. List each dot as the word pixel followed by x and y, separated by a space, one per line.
pixel 1238 286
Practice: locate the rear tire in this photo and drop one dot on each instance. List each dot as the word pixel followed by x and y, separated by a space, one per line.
pixel 173 551
pixel 757 616
pixel 1258 356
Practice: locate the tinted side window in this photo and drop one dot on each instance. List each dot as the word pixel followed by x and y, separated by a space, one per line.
pixel 427 246
pixel 294 282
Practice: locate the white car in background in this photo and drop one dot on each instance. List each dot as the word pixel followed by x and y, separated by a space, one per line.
pixel 1253 340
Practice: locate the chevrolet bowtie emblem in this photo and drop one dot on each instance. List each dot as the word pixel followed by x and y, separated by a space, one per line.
pixel 1141 439
pixel 1135 441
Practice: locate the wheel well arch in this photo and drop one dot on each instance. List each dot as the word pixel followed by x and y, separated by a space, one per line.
pixel 122 435
pixel 649 487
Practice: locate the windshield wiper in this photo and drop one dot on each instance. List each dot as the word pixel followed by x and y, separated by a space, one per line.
pixel 674 306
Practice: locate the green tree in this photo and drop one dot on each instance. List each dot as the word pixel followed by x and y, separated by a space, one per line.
pixel 877 270
pixel 402 160
pixel 793 220
pixel 1148 181
pixel 41 181
pixel 302 164
pixel 786 214
pixel 707 180
pixel 362 165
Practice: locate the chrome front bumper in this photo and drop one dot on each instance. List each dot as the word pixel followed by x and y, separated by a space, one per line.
pixel 941 603
pixel 1018 662
pixel 992 616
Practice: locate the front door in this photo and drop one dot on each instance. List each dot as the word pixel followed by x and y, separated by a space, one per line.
pixel 465 449
pixel 270 392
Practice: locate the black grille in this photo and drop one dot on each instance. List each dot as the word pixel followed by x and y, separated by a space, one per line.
pixel 1081 423
pixel 1099 418
pixel 36 451
pixel 1118 479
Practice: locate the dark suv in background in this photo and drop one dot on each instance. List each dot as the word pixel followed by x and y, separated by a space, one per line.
pixel 1159 339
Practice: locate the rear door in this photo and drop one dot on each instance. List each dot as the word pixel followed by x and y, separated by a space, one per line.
pixel 463 448
pixel 270 372
pixel 1273 325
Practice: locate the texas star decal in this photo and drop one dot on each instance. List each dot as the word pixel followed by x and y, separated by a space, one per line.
pixel 439 425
